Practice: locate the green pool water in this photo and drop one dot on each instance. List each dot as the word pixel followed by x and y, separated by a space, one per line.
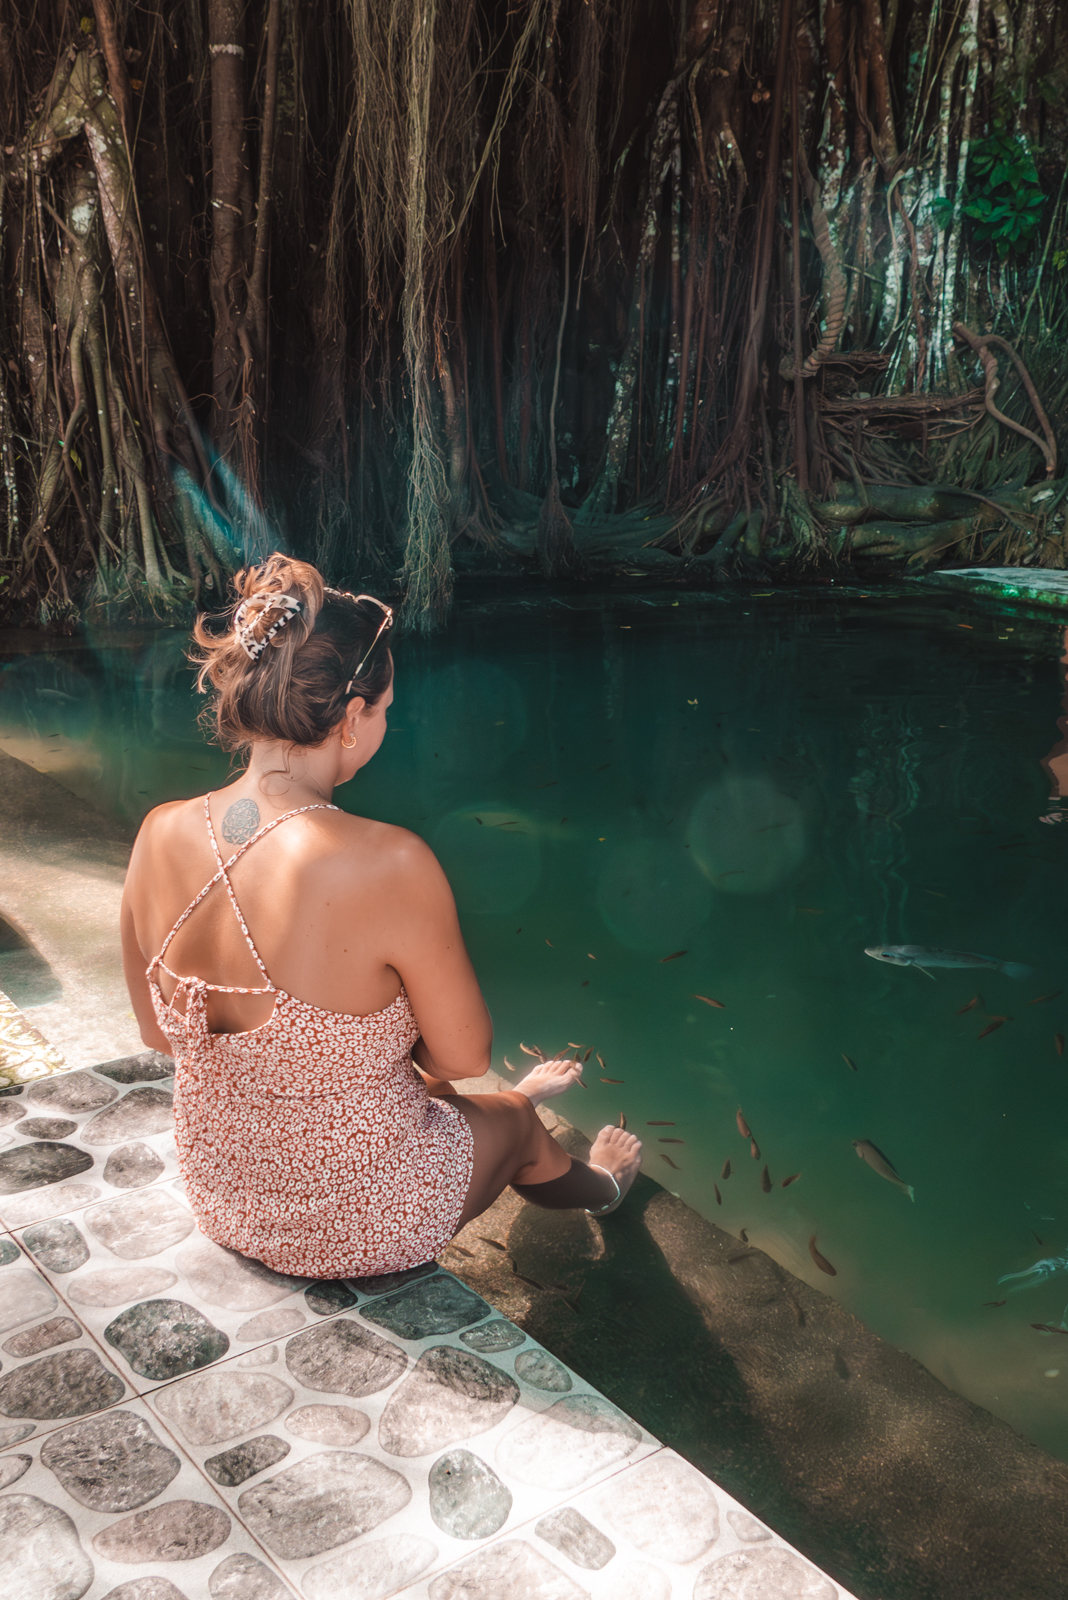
pixel 767 784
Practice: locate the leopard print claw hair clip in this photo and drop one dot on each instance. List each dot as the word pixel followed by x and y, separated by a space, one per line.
pixel 250 611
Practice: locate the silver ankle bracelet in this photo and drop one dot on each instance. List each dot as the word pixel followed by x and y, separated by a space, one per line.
pixel 611 1205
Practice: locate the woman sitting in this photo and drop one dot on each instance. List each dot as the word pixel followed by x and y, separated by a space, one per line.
pixel 314 990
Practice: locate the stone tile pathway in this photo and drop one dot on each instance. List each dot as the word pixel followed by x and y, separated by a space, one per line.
pixel 177 1422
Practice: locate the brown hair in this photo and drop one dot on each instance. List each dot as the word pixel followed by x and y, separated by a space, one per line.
pixel 307 641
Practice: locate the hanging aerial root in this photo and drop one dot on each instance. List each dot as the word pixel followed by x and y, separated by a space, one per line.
pixel 980 344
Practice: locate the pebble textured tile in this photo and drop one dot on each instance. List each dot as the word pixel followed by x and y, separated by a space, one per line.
pixel 179 1423
pixel 131 1166
pixel 467 1499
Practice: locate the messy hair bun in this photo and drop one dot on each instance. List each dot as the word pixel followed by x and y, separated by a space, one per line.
pixel 284 666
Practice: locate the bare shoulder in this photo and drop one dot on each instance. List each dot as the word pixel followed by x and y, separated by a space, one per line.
pixel 396 854
pixel 168 821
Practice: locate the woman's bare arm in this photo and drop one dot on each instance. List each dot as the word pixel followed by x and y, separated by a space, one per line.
pixel 134 962
pixel 425 946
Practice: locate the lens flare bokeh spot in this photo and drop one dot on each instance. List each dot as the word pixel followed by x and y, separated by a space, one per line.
pixel 746 836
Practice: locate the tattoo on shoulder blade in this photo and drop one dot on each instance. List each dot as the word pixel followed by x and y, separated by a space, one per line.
pixel 241 821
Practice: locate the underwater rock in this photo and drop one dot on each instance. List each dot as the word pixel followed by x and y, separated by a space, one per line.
pixel 25 1295
pixel 179 1530
pixel 448 1396
pixel 511 1570
pixel 163 1338
pixel 146 1067
pixel 386 1282
pixel 32 1166
pixel 543 1371
pixel 9 1251
pixel 10 1111
pixel 323 1501
pixel 271 1325
pixel 64 1385
pixel 39 1546
pixel 427 1310
pixel 116 1285
pixel 12 1469
pixel 222 1405
pixel 138 1114
pixel 562 1447
pixel 338 1425
pixel 665 1507
pixel 243 1461
pixel 140 1224
pixel 233 1281
pixel 577 1538
pixel 344 1357
pixel 379 1567
pixel 131 1166
pixel 493 1337
pixel 242 1577
pixel 111 1463
pixel 771 1574
pixel 57 1245
pixel 47 1128
pixel 72 1092
pixel 467 1499
pixel 328 1296
pixel 46 1335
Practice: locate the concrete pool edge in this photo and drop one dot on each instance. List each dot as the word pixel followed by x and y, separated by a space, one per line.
pixel 858 1456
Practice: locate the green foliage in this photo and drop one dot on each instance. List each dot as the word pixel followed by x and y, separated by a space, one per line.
pixel 1003 196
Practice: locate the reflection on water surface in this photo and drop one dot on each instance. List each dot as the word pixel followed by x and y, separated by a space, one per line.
pixel 758 788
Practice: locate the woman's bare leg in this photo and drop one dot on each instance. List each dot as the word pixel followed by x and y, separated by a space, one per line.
pixel 511 1146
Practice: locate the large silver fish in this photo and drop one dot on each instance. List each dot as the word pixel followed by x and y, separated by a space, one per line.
pixel 917 955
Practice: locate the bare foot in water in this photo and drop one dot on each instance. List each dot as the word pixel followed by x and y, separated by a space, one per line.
pixel 619 1153
pixel 549 1078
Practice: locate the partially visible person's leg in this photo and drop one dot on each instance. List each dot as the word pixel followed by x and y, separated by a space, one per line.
pixel 512 1147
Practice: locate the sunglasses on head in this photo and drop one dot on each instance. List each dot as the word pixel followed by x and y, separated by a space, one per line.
pixel 387 622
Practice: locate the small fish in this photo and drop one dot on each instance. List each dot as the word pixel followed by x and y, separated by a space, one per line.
pixel 550 944
pixel 1058 1043
pixel 719 1197
pixel 813 911
pixel 992 1305
pixel 743 1126
pixel 622 1120
pixel 531 1050
pixel 585 983
pixel 1037 1240
pixel 937 894
pixel 1048 1327
pixel 669 1161
pixel 659 1124
pixel 743 1236
pixel 551 785
pixel 460 1251
pixel 710 1002
pixel 881 1164
pixel 786 1182
pixel 993 1025
pixel 976 1000
pixel 508 1064
pixel 765 1181
pixel 754 1148
pixel 586 1057
pixel 821 1261
pixel 529 1282
pixel 669 1140
pixel 1040 999
pixel 479 821
pixel 613 1080
pixel 850 1063
pixel 494 1243
pixel 725 1174
pixel 601 1062
pixel 604 768
pixel 674 956
pixel 917 955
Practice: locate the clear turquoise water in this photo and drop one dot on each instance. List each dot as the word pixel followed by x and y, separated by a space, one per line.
pixel 769 784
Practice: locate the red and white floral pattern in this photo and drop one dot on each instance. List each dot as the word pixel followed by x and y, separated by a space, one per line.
pixel 311 1143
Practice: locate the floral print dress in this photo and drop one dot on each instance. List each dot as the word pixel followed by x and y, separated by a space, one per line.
pixel 310 1143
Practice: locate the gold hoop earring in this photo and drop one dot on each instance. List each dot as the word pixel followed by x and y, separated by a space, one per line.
pixel 351 746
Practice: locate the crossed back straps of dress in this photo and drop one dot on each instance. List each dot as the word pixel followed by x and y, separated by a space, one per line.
pixel 187 983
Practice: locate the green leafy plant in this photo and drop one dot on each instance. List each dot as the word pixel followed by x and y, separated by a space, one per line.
pixel 1003 195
